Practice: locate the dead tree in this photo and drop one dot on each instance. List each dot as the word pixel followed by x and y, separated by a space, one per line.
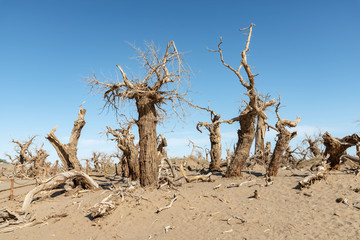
pixel 246 133
pixel 25 155
pixel 161 84
pixel 39 162
pixel 95 160
pixel 37 159
pixel 264 103
pixel 289 158
pixel 68 152
pixel 314 145
pixel 283 139
pixel 215 138
pixel 267 153
pixel 123 164
pixel 336 147
pixel 125 142
pixel 194 146
pixel 162 143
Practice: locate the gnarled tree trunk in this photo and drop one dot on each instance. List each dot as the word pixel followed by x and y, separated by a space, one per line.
pixel 148 158
pixel 336 147
pixel 68 152
pixel 246 135
pixel 284 138
pixel 215 151
pixel 215 139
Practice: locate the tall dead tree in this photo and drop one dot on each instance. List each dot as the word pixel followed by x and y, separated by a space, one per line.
pixel 68 152
pixel 284 137
pixel 161 83
pixel 336 147
pixel 215 138
pixel 125 142
pixel 246 133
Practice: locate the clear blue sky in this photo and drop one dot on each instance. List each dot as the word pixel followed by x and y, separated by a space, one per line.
pixel 307 51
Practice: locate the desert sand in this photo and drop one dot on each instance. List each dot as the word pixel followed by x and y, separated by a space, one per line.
pixel 202 210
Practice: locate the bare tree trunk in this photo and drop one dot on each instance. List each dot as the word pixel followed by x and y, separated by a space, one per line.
pixel 260 135
pixel 215 152
pixel 284 138
pixel 336 147
pixel 148 158
pixel 124 167
pixel 246 135
pixel 215 138
pixel 68 152
pixel 133 163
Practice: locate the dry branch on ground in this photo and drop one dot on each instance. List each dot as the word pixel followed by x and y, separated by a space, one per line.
pixel 55 181
pixel 203 178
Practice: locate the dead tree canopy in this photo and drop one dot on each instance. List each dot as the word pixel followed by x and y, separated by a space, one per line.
pixel 68 152
pixel 283 139
pixel 161 83
pixel 336 147
pixel 215 138
pixel 125 142
pixel 246 133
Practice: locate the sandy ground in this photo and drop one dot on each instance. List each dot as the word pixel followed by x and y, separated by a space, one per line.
pixel 203 210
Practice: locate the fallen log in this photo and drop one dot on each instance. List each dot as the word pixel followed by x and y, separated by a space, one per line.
pixel 310 179
pixel 56 181
pixel 204 178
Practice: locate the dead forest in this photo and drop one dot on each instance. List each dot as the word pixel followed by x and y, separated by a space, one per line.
pixel 145 164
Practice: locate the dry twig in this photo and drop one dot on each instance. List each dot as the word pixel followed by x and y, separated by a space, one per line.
pixel 169 206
